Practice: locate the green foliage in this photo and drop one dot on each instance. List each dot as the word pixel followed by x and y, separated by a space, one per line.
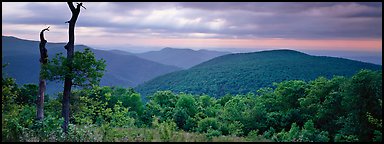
pixel 322 110
pixel 235 128
pixel 164 98
pixel 247 72
pixel 13 125
pixel 254 136
pixel 346 138
pixel 120 117
pixel 180 118
pixel 212 133
pixel 17 114
pixel 378 136
pixel 49 129
pixel 166 128
pixel 9 92
pixel 310 133
pixel 162 105
pixel 129 98
pixel 362 94
pixel 294 133
pixel 288 92
pixel 269 133
pixel 208 123
pixel 307 134
pixel 224 99
pixel 85 70
pixel 188 103
pixel 234 109
pixel 190 124
pixel 52 108
pixel 90 106
pixel 28 93
pixel 184 111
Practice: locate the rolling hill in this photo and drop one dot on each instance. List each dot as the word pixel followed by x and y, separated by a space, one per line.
pixel 183 58
pixel 247 72
pixel 122 69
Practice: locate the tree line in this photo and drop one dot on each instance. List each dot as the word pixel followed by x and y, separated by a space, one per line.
pixel 322 110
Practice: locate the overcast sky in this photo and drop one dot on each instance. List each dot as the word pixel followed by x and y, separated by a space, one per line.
pixel 301 26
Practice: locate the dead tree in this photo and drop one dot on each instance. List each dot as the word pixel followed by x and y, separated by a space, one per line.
pixel 42 83
pixel 70 52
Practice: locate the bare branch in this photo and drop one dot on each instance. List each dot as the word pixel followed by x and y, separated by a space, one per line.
pixel 81 4
pixel 42 35
pixel 70 4
pixel 46 29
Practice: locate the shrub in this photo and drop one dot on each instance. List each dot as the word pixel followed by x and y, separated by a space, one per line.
pixel 207 123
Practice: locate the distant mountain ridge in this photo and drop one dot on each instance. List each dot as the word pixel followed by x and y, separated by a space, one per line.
pixel 184 58
pixel 122 69
pixel 247 72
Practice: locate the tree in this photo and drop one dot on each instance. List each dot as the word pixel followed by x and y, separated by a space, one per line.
pixel 362 95
pixel 27 95
pixel 42 83
pixel 208 123
pixel 9 91
pixel 70 52
pixel 161 104
pixel 86 71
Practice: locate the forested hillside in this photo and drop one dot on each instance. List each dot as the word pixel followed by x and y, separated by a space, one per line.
pixel 247 72
pixel 339 109
pixel 122 69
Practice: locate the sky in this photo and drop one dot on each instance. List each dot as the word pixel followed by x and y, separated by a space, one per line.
pixel 136 26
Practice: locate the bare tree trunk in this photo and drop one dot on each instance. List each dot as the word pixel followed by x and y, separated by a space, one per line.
pixel 70 53
pixel 42 84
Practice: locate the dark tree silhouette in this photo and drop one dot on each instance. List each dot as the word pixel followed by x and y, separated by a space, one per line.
pixel 42 83
pixel 70 52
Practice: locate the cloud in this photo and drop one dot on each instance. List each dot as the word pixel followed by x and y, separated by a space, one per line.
pixel 229 20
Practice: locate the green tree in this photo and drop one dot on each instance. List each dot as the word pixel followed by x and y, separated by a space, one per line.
pixel 28 94
pixel 323 103
pixel 162 105
pixel 208 123
pixel 188 103
pixel 120 117
pixel 129 98
pixel 9 91
pixel 307 134
pixel 85 71
pixel 235 128
pixel 234 109
pixel 91 106
pixel 310 133
pixel 180 117
pixel 362 95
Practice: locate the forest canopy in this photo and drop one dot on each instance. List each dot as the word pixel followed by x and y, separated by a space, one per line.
pixel 339 109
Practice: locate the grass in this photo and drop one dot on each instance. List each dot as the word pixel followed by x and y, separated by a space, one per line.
pixel 154 135
pixel 98 134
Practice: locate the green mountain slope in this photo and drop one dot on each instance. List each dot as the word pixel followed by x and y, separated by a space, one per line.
pixel 247 72
pixel 121 70
pixel 184 58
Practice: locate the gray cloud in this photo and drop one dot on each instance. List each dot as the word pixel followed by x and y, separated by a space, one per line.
pixel 218 19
